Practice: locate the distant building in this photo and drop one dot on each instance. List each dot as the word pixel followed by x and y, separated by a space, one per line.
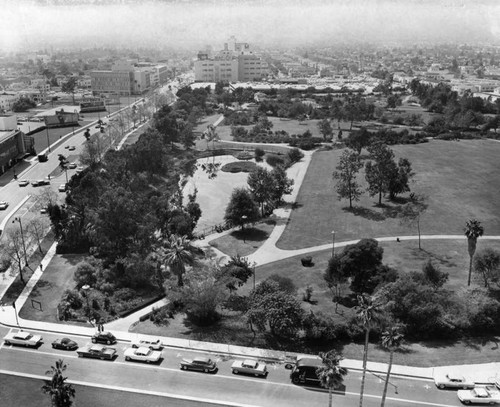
pixel 123 79
pixel 14 145
pixel 236 62
pixel 7 100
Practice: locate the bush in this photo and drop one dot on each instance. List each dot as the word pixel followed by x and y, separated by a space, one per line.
pixel 295 155
pixel 274 160
pixel 259 154
pixel 306 261
pixel 72 298
pixel 285 283
pixel 244 155
pixel 239 166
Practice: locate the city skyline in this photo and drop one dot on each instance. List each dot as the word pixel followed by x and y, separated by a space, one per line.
pixel 31 25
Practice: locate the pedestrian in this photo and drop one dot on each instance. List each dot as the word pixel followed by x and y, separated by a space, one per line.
pixel 41 268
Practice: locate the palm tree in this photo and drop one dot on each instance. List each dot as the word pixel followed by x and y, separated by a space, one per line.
pixel 391 339
pixel 331 374
pixel 178 252
pixel 59 391
pixel 367 312
pixel 472 230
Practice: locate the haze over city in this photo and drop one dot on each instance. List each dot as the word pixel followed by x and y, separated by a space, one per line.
pixel 187 24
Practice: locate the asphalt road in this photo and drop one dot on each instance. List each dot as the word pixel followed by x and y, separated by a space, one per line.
pixel 167 381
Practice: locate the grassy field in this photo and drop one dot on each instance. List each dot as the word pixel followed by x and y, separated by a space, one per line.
pixel 450 255
pixel 460 179
pixel 57 278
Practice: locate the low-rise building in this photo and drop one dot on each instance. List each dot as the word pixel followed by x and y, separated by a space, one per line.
pixel 14 145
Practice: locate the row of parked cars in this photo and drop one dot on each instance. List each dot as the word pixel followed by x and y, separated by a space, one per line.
pixel 142 350
pixel 470 392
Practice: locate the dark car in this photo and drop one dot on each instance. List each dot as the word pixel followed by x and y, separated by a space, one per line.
pixel 104 337
pixel 65 344
pixel 201 364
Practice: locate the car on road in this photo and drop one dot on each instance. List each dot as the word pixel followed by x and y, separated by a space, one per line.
pixel 249 366
pixel 451 380
pixel 64 344
pixel 24 183
pixel 22 338
pixel 104 337
pixel 62 188
pixel 479 395
pixel 72 165
pixel 305 370
pixel 71 148
pixel 199 363
pixel 143 354
pixel 153 343
pixel 40 182
pixel 97 352
pixel 44 209
pixel 79 169
pixel 3 205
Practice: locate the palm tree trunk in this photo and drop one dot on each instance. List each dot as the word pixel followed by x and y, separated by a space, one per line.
pixel 418 228
pixel 365 359
pixel 470 270
pixel 384 394
pixel 330 398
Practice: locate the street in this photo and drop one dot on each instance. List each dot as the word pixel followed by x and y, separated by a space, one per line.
pixel 167 380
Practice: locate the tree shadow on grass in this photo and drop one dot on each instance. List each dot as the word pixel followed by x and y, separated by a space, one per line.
pixel 366 213
pixel 73 259
pixel 425 254
pixel 250 235
pixel 481 342
pixel 41 285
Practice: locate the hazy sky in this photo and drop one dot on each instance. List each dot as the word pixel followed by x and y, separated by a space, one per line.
pixel 36 24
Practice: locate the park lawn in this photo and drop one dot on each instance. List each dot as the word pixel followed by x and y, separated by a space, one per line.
pixel 244 242
pixel 460 179
pixel 450 255
pixel 57 278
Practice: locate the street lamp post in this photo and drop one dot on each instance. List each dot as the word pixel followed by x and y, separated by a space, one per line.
pixel 244 218
pixel 333 243
pixel 18 219
pixel 48 142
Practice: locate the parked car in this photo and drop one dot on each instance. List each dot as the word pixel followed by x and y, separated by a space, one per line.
pixel 22 338
pixel 71 148
pixel 23 183
pixel 151 343
pixel 304 371
pixel 65 344
pixel 79 169
pixel 3 205
pixel 143 354
pixel 249 366
pixel 199 363
pixel 44 210
pixel 62 188
pixel 479 395
pixel 104 337
pixel 72 165
pixel 43 158
pixel 97 352
pixel 40 182
pixel 453 381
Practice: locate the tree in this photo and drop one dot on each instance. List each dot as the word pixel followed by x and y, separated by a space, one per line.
pixel 60 392
pixel 412 212
pixel 36 228
pixel 69 87
pixel 487 264
pixel 393 101
pixel 392 339
pixel 379 173
pixel 241 208
pixel 271 306
pixel 331 374
pixel 473 230
pixel 177 253
pixel 433 275
pixel 236 272
pixel 335 278
pixel 358 140
pixel 282 185
pixel 400 179
pixel 261 184
pixel 347 170
pixel 367 312
pixel 325 128
pixel 13 247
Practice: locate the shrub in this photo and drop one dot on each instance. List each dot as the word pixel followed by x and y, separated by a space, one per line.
pixel 237 166
pixel 160 316
pixel 244 155
pixel 72 298
pixel 259 154
pixel 274 160
pixel 306 261
pixel 398 120
pixel 306 296
pixel 294 155
pixel 285 283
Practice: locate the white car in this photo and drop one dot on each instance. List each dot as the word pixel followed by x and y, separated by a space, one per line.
pixel 450 380
pixel 142 354
pixel 153 343
pixel 62 188
pixel 249 367
pixel 3 205
pixel 479 395
pixel 22 338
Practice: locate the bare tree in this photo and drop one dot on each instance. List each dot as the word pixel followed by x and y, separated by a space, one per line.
pixel 37 229
pixel 13 248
